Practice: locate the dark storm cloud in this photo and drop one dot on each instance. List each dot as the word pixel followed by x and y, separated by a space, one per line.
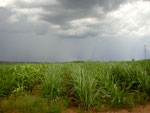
pixel 59 14
pixel 68 30
pixel 68 10
pixel 62 17
pixel 86 4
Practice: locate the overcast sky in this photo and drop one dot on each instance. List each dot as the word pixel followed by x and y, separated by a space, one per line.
pixel 67 30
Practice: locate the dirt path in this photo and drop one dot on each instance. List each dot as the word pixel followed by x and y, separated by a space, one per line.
pixel 137 109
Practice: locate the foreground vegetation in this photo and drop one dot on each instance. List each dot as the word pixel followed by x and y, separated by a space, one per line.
pixel 53 87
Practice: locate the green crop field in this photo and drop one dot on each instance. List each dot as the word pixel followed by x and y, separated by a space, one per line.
pixel 54 87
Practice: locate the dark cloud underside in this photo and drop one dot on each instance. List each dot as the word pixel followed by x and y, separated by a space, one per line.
pixel 66 30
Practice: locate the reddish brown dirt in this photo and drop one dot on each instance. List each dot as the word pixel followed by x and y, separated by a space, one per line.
pixel 137 109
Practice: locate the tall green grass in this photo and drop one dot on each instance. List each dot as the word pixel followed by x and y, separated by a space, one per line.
pixel 85 87
pixel 53 85
pixel 16 78
pixel 87 84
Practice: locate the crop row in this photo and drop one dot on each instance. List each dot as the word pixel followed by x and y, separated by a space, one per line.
pixel 89 84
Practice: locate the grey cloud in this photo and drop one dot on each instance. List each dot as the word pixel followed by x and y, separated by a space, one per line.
pixel 78 36
pixel 31 47
pixel 111 5
pixel 67 10
pixel 64 16
pixel 21 26
pixel 111 37
pixel 78 4
pixel 84 4
pixel 4 14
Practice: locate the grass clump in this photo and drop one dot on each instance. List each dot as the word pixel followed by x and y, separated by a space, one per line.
pixel 85 87
pixel 53 85
pixel 24 104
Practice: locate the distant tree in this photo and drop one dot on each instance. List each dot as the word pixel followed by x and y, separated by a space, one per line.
pixel 133 59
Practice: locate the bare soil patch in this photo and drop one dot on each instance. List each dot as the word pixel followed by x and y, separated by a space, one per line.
pixel 137 109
